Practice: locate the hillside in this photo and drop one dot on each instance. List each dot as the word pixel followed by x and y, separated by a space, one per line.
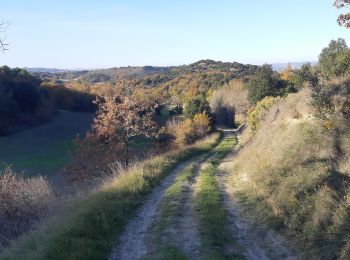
pixel 114 74
pixel 292 174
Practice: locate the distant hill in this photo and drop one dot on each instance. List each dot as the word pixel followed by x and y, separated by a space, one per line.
pixel 295 65
pixel 45 70
pixel 235 69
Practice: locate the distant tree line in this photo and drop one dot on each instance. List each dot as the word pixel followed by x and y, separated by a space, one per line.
pixel 25 101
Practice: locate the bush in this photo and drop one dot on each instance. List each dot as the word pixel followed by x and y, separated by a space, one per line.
pixel 257 113
pixel 188 131
pixel 22 203
pixel 197 105
pixel 201 125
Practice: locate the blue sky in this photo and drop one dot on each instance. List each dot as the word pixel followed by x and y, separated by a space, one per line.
pixel 108 33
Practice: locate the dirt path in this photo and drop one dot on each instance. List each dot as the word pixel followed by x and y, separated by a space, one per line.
pixel 137 240
pixel 185 234
pixel 133 242
pixel 258 242
pixel 181 231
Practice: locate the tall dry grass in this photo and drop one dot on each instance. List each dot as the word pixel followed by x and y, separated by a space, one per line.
pixel 23 202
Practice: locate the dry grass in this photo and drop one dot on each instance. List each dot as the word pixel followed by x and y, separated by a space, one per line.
pixel 294 171
pixel 22 203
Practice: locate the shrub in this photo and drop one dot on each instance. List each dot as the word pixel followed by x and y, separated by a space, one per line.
pixel 188 131
pixel 22 203
pixel 201 124
pixel 197 105
pixel 256 114
pixel 177 110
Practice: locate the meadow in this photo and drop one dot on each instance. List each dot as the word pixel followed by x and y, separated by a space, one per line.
pixel 44 150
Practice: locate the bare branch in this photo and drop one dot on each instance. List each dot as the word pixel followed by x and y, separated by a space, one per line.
pixel 3 44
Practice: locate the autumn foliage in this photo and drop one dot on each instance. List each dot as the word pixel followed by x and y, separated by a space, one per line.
pixel 118 120
pixel 189 130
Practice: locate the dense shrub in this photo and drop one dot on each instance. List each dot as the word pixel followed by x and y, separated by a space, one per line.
pixel 201 125
pixel 197 105
pixel 188 131
pixel 22 203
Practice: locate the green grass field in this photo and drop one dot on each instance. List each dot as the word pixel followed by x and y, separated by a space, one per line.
pixel 44 149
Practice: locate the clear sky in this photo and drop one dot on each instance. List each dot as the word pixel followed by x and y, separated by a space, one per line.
pixel 108 33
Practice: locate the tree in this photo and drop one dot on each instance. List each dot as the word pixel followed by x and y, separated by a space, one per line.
pixel 343 19
pixel 120 118
pixel 3 44
pixel 263 84
pixel 287 73
pixel 334 60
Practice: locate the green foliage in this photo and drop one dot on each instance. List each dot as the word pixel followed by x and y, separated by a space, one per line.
pixel 256 114
pixel 197 105
pixel 266 83
pixel 303 75
pixel 334 60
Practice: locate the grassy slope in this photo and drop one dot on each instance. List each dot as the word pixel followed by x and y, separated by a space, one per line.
pixel 44 149
pixel 217 240
pixel 293 175
pixel 91 229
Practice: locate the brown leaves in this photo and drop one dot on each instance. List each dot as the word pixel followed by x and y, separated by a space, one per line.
pixel 118 119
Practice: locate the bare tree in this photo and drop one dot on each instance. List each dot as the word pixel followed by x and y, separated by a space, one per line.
pixel 343 19
pixel 3 44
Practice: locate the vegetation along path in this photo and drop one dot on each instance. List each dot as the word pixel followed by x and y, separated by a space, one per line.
pixel 191 215
pixel 258 242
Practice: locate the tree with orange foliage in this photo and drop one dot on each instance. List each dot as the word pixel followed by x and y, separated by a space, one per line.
pixel 287 72
pixel 119 118
pixel 122 118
